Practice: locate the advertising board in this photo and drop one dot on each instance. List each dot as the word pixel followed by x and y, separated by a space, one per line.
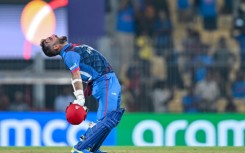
pixel 43 129
pixel 182 130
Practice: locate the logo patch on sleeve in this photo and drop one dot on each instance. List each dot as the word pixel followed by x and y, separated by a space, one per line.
pixel 73 66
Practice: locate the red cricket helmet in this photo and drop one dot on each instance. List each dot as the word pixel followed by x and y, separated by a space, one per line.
pixel 76 114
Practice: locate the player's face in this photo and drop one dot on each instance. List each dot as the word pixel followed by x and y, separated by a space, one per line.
pixel 54 41
pixel 51 39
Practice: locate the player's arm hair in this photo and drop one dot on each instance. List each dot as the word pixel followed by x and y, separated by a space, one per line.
pixel 78 88
pixel 78 84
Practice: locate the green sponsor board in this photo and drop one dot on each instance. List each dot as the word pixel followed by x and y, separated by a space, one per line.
pixel 138 129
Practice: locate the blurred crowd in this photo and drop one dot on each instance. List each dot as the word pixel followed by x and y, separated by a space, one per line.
pixel 182 59
pixel 173 56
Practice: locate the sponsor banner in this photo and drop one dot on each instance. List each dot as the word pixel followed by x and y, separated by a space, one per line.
pixel 182 130
pixel 43 129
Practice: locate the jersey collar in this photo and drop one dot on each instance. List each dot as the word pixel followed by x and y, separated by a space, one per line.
pixel 64 48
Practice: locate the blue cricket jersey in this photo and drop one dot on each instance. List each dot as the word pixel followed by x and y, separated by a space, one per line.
pixel 89 61
pixel 94 67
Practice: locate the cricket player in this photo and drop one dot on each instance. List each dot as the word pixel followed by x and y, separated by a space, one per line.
pixel 88 65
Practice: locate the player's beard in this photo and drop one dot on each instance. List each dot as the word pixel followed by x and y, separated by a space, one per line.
pixel 62 39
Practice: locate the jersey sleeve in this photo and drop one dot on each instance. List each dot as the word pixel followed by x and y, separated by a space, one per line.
pixel 72 61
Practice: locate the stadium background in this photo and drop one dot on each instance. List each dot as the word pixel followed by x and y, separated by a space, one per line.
pixel 180 63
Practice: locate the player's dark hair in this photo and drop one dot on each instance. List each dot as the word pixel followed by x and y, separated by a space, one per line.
pixel 47 49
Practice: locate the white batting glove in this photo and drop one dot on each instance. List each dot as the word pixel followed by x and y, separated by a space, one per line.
pixel 80 97
pixel 79 102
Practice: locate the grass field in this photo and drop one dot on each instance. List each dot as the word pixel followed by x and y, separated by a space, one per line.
pixel 128 149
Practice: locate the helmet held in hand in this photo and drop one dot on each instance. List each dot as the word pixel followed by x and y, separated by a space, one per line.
pixel 76 114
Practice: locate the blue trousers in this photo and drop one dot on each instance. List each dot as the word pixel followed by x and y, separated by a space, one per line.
pixel 95 136
pixel 107 92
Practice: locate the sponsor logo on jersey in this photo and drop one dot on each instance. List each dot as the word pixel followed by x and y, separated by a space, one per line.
pixel 73 66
